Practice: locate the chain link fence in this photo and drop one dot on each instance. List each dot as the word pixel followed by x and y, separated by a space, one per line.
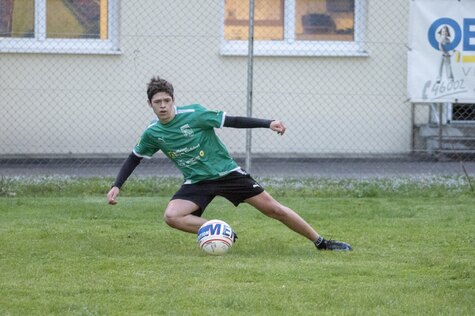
pixel 74 75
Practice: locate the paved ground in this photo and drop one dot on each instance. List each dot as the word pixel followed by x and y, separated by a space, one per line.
pixel 326 168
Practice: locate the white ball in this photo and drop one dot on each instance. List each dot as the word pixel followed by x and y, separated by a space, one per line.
pixel 215 237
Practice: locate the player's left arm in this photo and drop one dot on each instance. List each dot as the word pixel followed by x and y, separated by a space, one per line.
pixel 217 119
pixel 251 122
pixel 278 126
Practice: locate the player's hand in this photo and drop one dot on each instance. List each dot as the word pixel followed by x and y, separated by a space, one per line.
pixel 278 126
pixel 112 195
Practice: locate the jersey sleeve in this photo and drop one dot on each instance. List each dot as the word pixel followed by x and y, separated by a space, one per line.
pixel 209 119
pixel 146 147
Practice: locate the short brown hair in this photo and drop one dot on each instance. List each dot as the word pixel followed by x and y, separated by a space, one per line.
pixel 156 85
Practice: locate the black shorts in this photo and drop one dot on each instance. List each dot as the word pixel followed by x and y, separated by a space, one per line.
pixel 237 186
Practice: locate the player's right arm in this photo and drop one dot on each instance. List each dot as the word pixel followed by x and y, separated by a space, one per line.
pixel 145 147
pixel 126 170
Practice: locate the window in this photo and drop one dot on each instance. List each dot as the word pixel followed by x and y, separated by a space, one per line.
pixel 295 27
pixel 58 26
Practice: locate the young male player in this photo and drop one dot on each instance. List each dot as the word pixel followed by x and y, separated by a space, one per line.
pixel 186 135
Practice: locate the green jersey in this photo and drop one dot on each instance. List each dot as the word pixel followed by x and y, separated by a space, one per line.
pixel 190 141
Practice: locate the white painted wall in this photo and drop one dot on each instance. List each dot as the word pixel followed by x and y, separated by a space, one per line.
pixel 96 104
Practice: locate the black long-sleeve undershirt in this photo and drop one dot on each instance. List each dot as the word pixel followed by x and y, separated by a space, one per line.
pixel 126 170
pixel 245 122
pixel 133 160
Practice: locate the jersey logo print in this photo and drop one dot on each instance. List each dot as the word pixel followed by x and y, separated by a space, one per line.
pixel 187 131
pixel 161 140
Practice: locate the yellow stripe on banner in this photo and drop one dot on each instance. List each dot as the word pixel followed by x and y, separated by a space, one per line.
pixel 457 57
pixel 103 19
pixel 468 59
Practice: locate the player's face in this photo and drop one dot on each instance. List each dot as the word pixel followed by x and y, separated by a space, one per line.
pixel 162 105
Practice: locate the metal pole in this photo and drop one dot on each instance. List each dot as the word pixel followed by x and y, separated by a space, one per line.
pixel 440 126
pixel 413 127
pixel 250 56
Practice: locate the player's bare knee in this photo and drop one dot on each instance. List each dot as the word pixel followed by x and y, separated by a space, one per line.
pixel 170 220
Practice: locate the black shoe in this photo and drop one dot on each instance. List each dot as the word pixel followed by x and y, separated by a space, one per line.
pixel 235 237
pixel 334 245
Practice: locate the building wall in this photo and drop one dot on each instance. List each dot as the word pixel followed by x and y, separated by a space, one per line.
pixel 79 104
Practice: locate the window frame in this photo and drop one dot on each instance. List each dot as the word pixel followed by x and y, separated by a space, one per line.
pixel 41 44
pixel 290 46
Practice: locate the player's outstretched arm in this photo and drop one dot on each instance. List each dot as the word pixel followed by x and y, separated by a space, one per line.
pixel 126 170
pixel 251 122
pixel 112 195
pixel 278 126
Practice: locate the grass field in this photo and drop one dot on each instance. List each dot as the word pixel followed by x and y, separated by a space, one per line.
pixel 64 251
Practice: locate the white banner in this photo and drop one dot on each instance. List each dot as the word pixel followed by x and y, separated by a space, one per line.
pixel 441 60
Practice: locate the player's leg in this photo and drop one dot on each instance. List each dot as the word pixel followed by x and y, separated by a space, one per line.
pixel 179 215
pixel 184 210
pixel 266 204
pixel 240 187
